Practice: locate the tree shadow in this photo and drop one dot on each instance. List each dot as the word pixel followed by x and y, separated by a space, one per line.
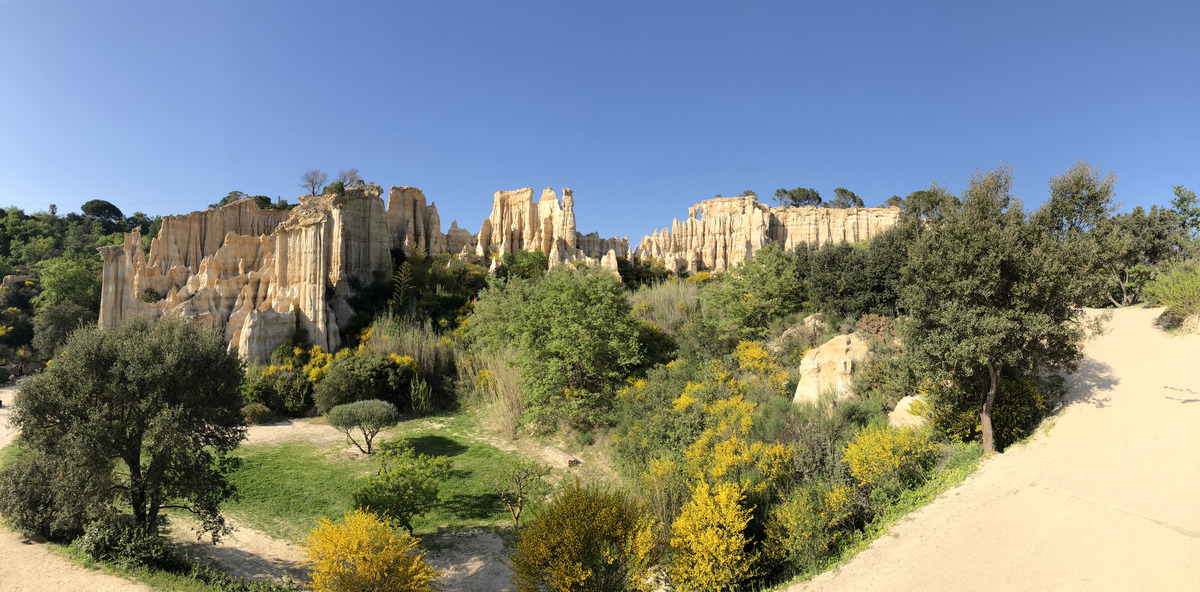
pixel 1091 384
pixel 242 563
pixel 435 445
pixel 472 506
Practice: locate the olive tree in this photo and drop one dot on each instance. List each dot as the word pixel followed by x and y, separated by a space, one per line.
pixel 986 291
pixel 148 413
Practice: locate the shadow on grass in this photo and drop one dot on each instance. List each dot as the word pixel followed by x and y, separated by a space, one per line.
pixel 472 506
pixel 436 445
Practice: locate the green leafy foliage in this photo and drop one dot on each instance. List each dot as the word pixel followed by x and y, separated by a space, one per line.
pixel 955 411
pixel 1178 289
pixel 985 292
pixel 407 484
pixel 120 541
pixel 518 484
pixel 367 418
pixel 576 339
pixel 363 377
pixel 797 197
pixel 756 292
pixel 147 413
pixel 48 502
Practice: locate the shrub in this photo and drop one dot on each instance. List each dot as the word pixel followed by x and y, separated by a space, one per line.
pixel 757 291
pixel 588 538
pixel 407 485
pixel 150 295
pixel 257 414
pixel 279 388
pixel 518 484
pixel 361 552
pixel 1178 289
pixel 368 418
pixel 883 457
pixel 1020 404
pixel 117 540
pixel 814 521
pixel 877 326
pixel 32 496
pixel 365 377
pixel 709 540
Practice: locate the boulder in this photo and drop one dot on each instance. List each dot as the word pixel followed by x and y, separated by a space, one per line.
pixel 902 416
pixel 827 368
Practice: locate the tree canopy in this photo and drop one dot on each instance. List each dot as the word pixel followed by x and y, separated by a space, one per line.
pixel 146 414
pixel 800 196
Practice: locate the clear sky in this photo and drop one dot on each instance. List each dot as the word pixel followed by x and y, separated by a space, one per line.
pixel 642 108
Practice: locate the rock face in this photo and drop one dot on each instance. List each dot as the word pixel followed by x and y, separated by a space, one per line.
pixel 721 232
pixel 272 272
pixel 262 276
pixel 902 416
pixel 827 368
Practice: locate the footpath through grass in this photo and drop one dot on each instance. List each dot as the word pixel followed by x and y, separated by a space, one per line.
pixel 284 488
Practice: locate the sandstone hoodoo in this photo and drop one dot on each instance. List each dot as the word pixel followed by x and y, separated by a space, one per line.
pixel 721 232
pixel 261 276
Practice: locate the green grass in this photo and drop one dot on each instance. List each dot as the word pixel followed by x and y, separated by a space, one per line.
pixel 285 488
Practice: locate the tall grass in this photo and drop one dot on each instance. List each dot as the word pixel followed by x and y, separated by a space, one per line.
pixel 669 305
pixel 434 354
pixel 493 379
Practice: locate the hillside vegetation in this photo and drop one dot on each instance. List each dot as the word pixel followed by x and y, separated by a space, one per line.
pixel 701 473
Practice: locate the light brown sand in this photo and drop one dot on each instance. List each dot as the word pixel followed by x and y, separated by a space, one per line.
pixel 1106 497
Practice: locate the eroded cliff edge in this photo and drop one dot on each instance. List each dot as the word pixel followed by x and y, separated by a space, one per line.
pixel 264 276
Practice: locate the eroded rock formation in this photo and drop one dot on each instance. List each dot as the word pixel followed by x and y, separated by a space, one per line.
pixel 262 276
pixel 721 232
pixel 827 368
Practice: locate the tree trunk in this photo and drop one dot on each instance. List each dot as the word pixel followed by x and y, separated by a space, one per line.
pixel 985 412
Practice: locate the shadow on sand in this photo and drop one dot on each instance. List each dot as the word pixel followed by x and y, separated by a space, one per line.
pixel 1090 385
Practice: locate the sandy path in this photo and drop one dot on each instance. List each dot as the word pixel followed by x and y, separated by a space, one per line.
pixel 26 566
pixel 1106 498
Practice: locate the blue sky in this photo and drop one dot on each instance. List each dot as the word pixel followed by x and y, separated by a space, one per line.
pixel 642 108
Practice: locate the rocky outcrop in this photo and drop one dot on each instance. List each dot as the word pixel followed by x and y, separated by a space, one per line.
pixel 827 368
pixel 262 276
pixel 721 232
pixel 257 287
pixel 547 225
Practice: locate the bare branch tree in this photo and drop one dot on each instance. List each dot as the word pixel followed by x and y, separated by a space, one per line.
pixel 349 178
pixel 313 181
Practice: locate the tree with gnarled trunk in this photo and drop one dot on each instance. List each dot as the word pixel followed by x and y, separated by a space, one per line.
pixel 987 291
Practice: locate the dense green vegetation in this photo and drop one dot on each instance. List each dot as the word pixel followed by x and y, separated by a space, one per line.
pixel 709 476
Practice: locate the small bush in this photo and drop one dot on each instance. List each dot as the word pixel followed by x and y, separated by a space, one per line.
pixel 1178 289
pixel 362 552
pixel 257 414
pixel 33 497
pixel 890 459
pixel 150 295
pixel 815 521
pixel 710 542
pixel 877 326
pixel 279 388
pixel 368 418
pixel 407 485
pixel 119 541
pixel 588 538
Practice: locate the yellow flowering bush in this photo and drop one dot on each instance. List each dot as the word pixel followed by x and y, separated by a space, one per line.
pixel 362 552
pixel 709 540
pixel 813 521
pixel 890 458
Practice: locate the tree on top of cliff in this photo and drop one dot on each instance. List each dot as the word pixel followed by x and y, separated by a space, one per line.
pixel 844 198
pixel 800 196
pixel 313 181
pixel 350 178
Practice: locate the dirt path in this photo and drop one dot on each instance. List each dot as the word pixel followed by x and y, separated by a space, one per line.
pixel 1107 497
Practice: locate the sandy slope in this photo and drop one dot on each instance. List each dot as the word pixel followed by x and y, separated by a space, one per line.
pixel 1107 498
